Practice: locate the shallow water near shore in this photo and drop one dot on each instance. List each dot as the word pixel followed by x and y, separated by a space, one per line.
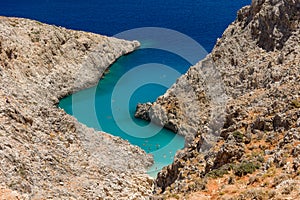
pixel 93 106
pixel 204 21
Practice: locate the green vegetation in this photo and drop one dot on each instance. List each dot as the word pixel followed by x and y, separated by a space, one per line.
pixel 240 170
pixel 238 136
pixel 219 173
pixel 246 168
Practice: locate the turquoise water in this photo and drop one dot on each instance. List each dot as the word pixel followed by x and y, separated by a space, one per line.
pixel 204 21
pixel 94 106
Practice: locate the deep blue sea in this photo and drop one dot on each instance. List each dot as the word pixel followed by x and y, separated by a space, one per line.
pixel 144 74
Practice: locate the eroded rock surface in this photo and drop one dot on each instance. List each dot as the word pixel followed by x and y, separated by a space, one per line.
pixel 45 153
pixel 241 107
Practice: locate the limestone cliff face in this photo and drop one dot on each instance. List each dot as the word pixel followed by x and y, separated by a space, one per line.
pixel 45 153
pixel 272 23
pixel 237 108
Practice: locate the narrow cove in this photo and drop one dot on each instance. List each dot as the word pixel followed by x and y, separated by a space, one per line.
pixel 94 106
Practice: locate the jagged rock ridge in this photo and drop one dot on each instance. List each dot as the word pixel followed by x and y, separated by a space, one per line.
pixel 248 149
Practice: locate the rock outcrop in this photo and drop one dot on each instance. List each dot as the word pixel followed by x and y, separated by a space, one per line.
pixel 45 153
pixel 240 106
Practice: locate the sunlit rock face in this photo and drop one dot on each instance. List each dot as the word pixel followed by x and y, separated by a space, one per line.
pixel 45 153
pixel 250 103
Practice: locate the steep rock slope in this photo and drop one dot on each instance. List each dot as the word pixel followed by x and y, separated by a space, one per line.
pixel 45 153
pixel 239 110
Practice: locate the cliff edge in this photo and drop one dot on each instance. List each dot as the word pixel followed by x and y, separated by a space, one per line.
pixel 239 109
pixel 45 153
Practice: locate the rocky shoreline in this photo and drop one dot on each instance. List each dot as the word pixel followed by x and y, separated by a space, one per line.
pixel 239 109
pixel 45 153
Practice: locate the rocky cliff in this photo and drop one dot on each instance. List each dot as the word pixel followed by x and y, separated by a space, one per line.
pixel 239 109
pixel 45 153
